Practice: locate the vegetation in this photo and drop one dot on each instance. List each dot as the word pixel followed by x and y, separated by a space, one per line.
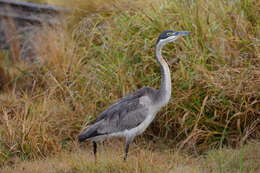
pixel 96 59
pixel 144 161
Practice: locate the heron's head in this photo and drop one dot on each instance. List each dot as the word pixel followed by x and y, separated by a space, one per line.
pixel 170 36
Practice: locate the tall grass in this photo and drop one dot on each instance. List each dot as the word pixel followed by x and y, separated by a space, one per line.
pixel 104 56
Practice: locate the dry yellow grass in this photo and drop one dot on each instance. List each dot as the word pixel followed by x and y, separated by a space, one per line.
pixel 143 160
pixel 96 59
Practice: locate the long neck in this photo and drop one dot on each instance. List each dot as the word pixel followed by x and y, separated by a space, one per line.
pixel 166 86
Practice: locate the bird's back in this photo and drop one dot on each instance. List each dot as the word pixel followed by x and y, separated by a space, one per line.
pixel 125 114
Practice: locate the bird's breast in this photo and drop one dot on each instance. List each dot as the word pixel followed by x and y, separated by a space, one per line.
pixel 143 126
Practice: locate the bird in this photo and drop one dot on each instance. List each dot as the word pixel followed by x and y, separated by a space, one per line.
pixel 131 115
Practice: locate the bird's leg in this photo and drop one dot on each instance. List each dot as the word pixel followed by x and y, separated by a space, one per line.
pixel 126 151
pixel 128 142
pixel 95 149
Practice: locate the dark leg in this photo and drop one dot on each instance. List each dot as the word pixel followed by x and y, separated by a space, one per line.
pixel 126 151
pixel 95 149
pixel 128 142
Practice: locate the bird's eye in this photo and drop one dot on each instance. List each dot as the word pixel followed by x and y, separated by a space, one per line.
pixel 169 34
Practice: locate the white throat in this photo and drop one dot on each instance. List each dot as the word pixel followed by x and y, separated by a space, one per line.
pixel 166 86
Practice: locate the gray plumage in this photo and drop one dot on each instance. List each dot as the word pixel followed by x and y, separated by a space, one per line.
pixel 132 114
pixel 127 113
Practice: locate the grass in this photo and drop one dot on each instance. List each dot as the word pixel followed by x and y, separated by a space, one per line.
pixel 143 160
pixel 96 59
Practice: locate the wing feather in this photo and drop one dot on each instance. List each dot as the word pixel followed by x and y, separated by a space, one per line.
pixel 126 104
pixel 127 113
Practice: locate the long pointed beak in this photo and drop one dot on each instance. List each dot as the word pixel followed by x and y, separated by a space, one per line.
pixel 182 33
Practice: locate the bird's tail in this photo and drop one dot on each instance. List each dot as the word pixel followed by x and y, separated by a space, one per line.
pixel 88 133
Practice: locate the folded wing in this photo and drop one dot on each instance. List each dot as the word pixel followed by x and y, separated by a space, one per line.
pixel 125 114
